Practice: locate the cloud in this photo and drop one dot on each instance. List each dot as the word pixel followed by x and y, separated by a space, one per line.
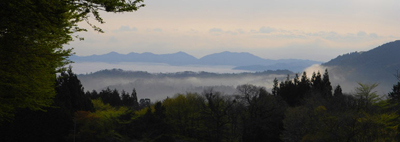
pixel 373 35
pixel 240 31
pixel 267 30
pixel 361 33
pixel 125 29
pixel 216 30
pixel 112 40
pixel 326 35
pixel 157 30
pixel 193 31
pixel 274 33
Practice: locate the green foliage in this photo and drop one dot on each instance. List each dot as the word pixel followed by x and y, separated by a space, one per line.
pixel 185 115
pixel 32 33
pixel 100 125
pixel 366 97
pixel 54 124
pixel 364 117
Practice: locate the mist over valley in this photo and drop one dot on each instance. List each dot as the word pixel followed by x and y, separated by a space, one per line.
pixel 199 71
pixel 157 86
pixel 156 79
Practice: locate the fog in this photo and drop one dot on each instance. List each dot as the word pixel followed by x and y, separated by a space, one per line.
pixel 159 87
pixel 348 80
pixel 88 67
pixel 168 80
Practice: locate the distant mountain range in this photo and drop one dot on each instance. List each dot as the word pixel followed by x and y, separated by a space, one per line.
pixel 374 66
pixel 241 61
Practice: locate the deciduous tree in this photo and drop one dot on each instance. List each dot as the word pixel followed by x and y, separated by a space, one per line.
pixel 32 35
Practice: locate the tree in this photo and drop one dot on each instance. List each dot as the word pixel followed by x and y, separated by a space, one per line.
pixel 288 92
pixel 327 88
pixel 275 89
pixel 366 97
pixel 70 95
pixel 111 97
pixel 395 94
pixel 262 120
pixel 304 85
pixel 316 81
pixel 54 124
pixel 134 100
pixel 130 100
pixel 338 91
pixel 32 35
pixel 184 113
pixel 216 112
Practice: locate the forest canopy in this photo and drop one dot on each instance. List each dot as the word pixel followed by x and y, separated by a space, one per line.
pixel 32 35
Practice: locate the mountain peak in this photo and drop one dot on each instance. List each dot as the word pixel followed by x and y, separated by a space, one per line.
pixel 112 53
pixel 181 53
pixel 147 53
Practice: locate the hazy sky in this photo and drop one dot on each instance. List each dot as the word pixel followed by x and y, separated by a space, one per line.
pixel 275 29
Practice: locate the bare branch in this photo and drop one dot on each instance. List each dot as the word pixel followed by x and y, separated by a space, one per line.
pixel 397 75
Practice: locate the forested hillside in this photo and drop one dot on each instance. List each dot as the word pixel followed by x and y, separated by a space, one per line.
pixel 43 100
pixel 299 109
pixel 378 64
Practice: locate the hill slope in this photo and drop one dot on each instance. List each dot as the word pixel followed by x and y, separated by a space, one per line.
pixel 374 66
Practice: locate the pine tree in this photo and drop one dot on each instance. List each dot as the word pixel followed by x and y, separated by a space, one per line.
pixel 304 85
pixel 275 89
pixel 70 94
pixel 317 81
pixel 338 91
pixel 134 99
pixel 326 85
pixel 394 96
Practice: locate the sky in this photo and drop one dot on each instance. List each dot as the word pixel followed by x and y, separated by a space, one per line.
pixel 273 29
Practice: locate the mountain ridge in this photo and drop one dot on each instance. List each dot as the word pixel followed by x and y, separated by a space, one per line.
pixel 377 65
pixel 237 59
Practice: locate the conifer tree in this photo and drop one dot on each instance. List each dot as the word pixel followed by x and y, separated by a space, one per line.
pixel 304 85
pixel 70 94
pixel 317 81
pixel 134 99
pixel 338 91
pixel 327 87
pixel 394 95
pixel 275 89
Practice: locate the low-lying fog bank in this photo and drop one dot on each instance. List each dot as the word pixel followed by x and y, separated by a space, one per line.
pixel 89 67
pixel 348 79
pixel 159 81
pixel 159 86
